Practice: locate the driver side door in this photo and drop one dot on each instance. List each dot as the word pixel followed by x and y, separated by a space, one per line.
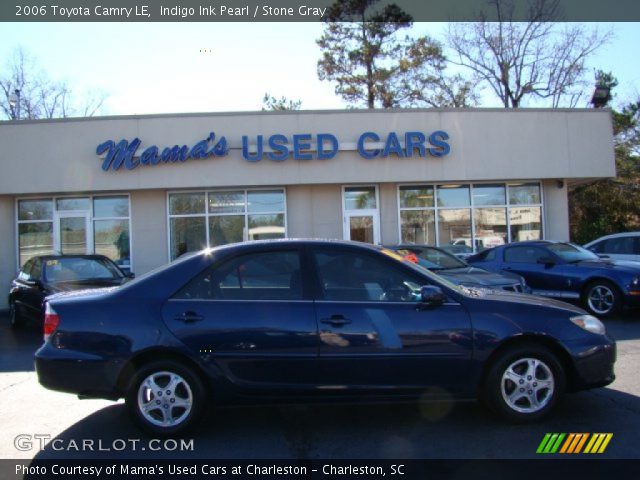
pixel 372 333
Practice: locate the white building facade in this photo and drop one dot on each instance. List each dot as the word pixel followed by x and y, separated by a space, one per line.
pixel 145 189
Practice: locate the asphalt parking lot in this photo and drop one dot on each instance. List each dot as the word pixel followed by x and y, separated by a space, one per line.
pixel 32 415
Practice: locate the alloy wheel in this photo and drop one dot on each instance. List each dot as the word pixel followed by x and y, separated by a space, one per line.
pixel 527 385
pixel 601 299
pixel 165 399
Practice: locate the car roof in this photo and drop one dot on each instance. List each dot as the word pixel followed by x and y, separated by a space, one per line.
pixel 615 235
pixel 92 256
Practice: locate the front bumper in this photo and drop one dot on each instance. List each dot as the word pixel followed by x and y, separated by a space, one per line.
pixel 594 366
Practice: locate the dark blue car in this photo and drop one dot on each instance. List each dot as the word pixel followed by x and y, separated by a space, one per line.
pixel 300 320
pixel 567 271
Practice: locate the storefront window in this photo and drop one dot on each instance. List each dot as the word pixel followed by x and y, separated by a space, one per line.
pixel 67 225
pixel 480 215
pixel 454 226
pixel 360 198
pixel 525 223
pixel 416 197
pixel 418 227
pixel 231 216
pixel 524 193
pixel 488 194
pixel 490 227
pixel 35 239
pixel 453 196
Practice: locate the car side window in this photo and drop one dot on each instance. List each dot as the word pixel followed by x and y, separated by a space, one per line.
pixel 597 247
pixel 524 254
pixel 24 271
pixel 36 271
pixel 351 276
pixel 256 276
pixel 621 246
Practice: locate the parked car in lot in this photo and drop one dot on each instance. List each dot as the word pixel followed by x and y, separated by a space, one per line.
pixel 45 275
pixel 458 271
pixel 568 271
pixel 314 320
pixel 619 246
pixel 462 251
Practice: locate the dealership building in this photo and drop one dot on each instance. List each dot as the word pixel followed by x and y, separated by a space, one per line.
pixel 145 189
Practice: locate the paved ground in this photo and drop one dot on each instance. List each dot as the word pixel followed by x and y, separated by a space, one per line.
pixel 373 431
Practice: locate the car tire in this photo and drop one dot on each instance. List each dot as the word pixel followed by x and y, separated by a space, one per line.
pixel 165 398
pixel 15 319
pixel 524 383
pixel 602 298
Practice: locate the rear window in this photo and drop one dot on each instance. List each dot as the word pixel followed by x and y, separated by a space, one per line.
pixel 77 269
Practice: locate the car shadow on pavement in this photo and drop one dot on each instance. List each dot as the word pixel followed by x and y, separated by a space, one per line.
pixel 17 346
pixel 377 431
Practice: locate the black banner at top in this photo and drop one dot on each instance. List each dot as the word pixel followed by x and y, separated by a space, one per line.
pixel 302 10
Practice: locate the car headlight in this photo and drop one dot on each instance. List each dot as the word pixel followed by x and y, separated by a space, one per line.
pixel 635 282
pixel 589 323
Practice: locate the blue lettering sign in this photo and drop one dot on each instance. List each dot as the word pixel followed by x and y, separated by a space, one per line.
pixel 278 143
pixel 437 139
pixel 321 139
pixel 392 145
pixel 300 143
pixel 413 140
pixel 124 153
pixel 368 153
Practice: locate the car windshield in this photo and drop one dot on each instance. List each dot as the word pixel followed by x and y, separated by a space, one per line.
pixel 443 260
pixel 70 269
pixel 572 253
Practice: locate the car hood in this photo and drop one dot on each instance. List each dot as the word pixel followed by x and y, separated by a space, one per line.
pixel 476 276
pixel 524 299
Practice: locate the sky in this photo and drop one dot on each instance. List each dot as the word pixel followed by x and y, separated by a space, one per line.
pixel 146 68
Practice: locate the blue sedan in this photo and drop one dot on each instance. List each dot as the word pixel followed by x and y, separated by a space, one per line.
pixel 567 271
pixel 300 320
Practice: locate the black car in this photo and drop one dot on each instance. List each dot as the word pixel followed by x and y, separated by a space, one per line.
pixel 458 271
pixel 45 275
pixel 570 272
pixel 314 320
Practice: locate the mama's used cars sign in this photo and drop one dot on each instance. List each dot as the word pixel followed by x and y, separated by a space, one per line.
pixel 277 147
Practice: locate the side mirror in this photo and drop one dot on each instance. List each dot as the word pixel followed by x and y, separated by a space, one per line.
pixel 130 275
pixel 431 296
pixel 546 261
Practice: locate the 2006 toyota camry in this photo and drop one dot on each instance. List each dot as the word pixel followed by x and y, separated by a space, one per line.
pixel 314 320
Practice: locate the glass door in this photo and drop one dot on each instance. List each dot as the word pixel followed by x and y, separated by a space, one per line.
pixel 361 216
pixel 72 232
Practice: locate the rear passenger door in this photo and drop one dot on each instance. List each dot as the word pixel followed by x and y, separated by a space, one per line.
pixel 251 317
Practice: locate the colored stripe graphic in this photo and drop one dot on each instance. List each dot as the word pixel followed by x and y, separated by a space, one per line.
pixel 574 443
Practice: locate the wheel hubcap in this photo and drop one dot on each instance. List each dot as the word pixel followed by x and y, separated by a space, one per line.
pixel 601 299
pixel 165 399
pixel 527 385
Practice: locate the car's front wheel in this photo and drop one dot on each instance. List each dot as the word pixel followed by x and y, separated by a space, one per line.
pixel 602 298
pixel 165 398
pixel 524 383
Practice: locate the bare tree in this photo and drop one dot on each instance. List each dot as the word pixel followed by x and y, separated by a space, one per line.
pixel 40 97
pixel 539 58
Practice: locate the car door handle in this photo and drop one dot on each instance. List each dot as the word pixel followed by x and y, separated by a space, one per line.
pixel 189 317
pixel 336 320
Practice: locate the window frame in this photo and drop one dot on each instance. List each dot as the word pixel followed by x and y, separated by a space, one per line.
pixel 90 235
pixel 246 214
pixel 507 206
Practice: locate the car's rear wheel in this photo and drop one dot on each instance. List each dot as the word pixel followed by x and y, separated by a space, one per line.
pixel 165 398
pixel 524 383
pixel 602 298
pixel 15 318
